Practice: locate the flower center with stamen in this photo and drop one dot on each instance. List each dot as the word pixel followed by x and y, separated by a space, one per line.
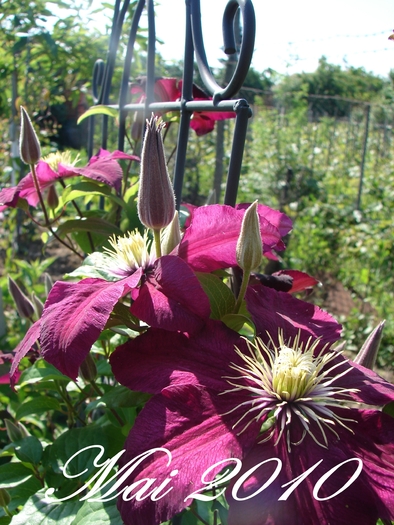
pixel 294 384
pixel 60 157
pixel 131 252
pixel 292 372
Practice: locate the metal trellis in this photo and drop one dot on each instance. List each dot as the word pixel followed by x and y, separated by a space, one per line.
pixel 193 50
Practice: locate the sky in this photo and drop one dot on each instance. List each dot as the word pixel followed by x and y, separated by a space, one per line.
pixel 292 35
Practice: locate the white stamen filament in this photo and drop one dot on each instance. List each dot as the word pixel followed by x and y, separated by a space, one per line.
pixel 131 251
pixel 289 381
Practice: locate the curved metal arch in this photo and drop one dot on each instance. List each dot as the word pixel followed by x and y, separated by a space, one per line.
pixel 194 47
pixel 245 54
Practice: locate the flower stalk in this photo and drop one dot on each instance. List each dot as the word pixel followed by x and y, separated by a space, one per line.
pixel 30 153
pixel 249 249
pixel 156 200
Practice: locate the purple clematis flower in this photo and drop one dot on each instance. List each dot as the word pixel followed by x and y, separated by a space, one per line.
pixel 170 90
pixel 102 168
pixel 166 293
pixel 278 406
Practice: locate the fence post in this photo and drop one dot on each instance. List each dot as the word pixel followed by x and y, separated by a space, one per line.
pixel 360 186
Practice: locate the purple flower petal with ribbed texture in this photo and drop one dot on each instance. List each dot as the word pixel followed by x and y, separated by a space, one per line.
pixel 32 335
pixel 209 242
pixel 272 310
pixel 196 412
pixel 369 497
pixel 172 297
pixel 74 316
pixel 102 168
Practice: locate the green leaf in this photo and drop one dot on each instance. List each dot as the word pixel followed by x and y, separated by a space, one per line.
pixel 98 513
pixel 119 396
pixel 223 512
pixel 220 296
pixel 13 474
pixel 235 321
pixel 38 512
pixel 96 265
pixel 88 188
pixel 99 110
pixel 37 405
pixel 41 371
pixel 76 439
pixel 90 224
pixel 389 409
pixel 21 493
pixel 29 450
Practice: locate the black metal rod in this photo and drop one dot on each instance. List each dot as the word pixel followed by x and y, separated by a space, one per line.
pixel 194 45
pixel 186 113
pixel 234 170
pixel 124 88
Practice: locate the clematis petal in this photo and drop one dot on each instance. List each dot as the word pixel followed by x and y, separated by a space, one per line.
pixel 9 197
pixel 32 335
pixel 373 389
pixel 102 167
pixel 26 188
pixel 209 242
pixel 203 122
pixel 74 316
pixel 181 359
pixel 186 421
pixel 276 218
pixel 369 497
pixel 301 280
pixel 272 310
pixel 163 303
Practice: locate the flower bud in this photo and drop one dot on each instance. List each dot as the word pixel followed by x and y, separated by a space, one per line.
pixel 137 126
pixel 23 304
pixel 156 201
pixel 369 351
pixel 171 235
pixel 15 432
pixel 88 370
pixel 38 304
pixel 29 146
pixel 52 198
pixel 249 249
pixel 5 498
pixel 48 283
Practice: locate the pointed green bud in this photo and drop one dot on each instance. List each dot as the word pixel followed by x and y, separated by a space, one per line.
pixel 52 198
pixel 137 126
pixel 23 304
pixel 48 283
pixel 88 370
pixel 156 201
pixel 29 146
pixel 38 304
pixel 369 351
pixel 249 246
pixel 171 236
pixel 5 498
pixel 15 432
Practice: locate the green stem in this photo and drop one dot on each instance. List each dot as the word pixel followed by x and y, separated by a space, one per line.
pixel 8 512
pixel 241 295
pixel 46 216
pixel 78 210
pixel 98 391
pixel 156 235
